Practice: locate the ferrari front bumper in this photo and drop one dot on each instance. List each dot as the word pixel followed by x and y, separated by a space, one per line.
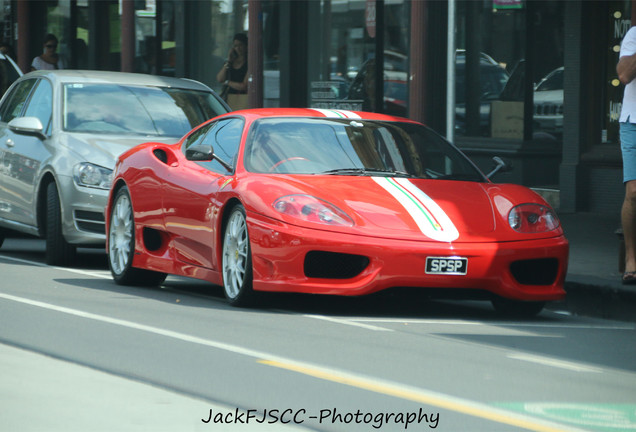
pixel 528 270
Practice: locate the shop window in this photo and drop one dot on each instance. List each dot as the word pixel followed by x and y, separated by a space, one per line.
pixel 58 17
pixel 211 26
pixel 497 69
pixel 343 59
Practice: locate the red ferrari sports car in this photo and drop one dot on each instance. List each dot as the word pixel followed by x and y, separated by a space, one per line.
pixel 329 202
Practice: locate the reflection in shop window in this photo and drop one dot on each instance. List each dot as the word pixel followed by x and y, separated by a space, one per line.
pixel 342 59
pixel 492 74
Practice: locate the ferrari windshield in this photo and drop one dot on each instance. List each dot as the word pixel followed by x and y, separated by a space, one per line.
pixel 353 147
pixel 119 109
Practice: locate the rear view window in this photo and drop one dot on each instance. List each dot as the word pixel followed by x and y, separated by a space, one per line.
pixel 117 109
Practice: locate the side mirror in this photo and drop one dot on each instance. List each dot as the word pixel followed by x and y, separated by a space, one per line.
pixel 27 126
pixel 200 153
pixel 501 165
pixel 205 153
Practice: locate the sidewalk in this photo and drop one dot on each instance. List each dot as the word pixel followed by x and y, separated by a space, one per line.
pixel 593 281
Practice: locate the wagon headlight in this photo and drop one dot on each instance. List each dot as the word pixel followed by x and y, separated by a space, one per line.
pixel 311 209
pixel 532 218
pixel 89 175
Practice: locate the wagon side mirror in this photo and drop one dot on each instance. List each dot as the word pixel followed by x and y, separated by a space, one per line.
pixel 27 126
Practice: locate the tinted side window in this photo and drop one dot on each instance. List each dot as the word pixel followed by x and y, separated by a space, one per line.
pixel 196 137
pixel 13 104
pixel 225 138
pixel 41 104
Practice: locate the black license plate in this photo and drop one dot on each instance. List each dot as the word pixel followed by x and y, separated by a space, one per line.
pixel 446 265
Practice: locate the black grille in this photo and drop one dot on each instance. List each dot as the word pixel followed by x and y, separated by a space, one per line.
pixel 90 221
pixel 541 271
pixel 333 265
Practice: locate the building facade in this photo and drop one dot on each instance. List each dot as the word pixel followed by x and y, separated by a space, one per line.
pixel 533 81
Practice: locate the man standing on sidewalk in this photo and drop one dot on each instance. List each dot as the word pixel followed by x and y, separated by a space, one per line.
pixel 626 70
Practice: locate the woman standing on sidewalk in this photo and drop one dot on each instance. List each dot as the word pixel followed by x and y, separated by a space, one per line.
pixel 234 73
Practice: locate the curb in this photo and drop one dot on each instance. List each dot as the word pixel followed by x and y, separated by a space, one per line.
pixel 599 298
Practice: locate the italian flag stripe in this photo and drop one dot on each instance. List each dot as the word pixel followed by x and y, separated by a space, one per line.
pixel 427 214
pixel 337 113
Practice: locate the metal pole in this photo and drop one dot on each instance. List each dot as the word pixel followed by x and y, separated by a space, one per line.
pixel 255 54
pixel 450 73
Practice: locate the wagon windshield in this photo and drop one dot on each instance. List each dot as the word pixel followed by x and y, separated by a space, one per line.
pixel 142 110
pixel 354 147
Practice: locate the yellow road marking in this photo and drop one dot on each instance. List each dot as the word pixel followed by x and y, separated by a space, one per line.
pixel 430 398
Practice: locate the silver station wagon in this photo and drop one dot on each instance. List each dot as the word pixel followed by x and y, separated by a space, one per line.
pixel 60 135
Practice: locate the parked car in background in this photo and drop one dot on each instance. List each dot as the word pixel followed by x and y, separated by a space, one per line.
pixel 492 81
pixel 60 133
pixel 329 202
pixel 548 103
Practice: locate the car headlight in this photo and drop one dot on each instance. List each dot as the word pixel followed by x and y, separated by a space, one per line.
pixel 532 218
pixel 311 209
pixel 89 175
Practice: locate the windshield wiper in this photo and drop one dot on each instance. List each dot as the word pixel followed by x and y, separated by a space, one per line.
pixel 367 172
pixel 460 176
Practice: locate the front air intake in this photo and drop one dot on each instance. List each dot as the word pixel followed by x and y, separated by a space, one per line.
pixel 542 271
pixel 334 265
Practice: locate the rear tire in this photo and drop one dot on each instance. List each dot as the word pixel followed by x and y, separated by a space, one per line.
pixel 121 245
pixel 517 309
pixel 59 252
pixel 237 260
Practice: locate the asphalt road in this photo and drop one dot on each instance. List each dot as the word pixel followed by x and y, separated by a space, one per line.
pixel 79 353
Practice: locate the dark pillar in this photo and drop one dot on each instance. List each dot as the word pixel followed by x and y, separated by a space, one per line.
pixel 127 35
pixel 573 116
pixel 294 81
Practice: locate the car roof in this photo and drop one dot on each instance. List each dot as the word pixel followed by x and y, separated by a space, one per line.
pixel 315 113
pixel 89 76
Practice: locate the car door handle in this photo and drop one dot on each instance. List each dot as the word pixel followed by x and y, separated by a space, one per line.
pixel 10 143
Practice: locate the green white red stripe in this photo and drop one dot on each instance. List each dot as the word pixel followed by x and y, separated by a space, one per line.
pixel 338 113
pixel 427 214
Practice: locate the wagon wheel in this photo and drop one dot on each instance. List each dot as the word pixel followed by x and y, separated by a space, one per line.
pixel 59 252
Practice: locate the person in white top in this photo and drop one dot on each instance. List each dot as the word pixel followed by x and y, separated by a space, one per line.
pixel 626 69
pixel 49 59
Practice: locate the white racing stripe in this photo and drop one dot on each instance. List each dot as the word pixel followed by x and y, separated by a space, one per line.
pixel 427 214
pixel 337 113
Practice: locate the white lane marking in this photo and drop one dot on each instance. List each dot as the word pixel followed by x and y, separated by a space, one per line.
pixel 391 388
pixel 71 270
pixel 347 322
pixel 562 364
pixel 495 323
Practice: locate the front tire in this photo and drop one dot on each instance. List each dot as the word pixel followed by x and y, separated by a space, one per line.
pixel 59 252
pixel 121 245
pixel 237 260
pixel 517 309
